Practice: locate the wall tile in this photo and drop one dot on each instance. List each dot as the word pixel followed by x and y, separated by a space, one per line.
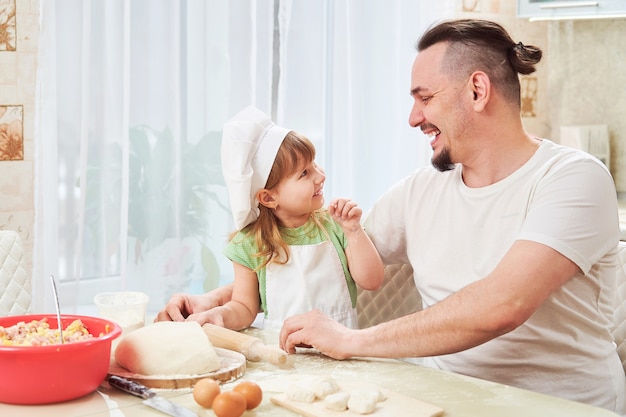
pixel 8 94
pixel 27 31
pixel 27 70
pixel 8 68
pixel 16 185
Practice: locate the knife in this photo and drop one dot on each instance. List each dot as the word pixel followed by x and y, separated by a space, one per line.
pixel 150 397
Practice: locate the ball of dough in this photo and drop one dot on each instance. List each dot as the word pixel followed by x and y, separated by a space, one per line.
pixel 361 402
pixel 167 348
pixel 337 401
pixel 300 394
pixel 377 395
pixel 324 387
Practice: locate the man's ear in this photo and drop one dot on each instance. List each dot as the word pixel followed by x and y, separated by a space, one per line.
pixel 480 85
pixel 266 198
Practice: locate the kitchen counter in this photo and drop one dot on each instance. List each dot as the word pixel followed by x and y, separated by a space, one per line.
pixel 458 395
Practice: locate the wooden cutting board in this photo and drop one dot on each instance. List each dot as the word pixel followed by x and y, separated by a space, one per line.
pixel 233 366
pixel 395 405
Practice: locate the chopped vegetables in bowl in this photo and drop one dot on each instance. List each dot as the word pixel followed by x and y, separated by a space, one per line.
pixel 39 333
pixel 38 369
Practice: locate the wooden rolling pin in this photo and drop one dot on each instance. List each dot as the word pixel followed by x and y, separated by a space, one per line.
pixel 251 347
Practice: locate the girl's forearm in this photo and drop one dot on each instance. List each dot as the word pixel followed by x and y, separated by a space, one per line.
pixel 364 262
pixel 237 316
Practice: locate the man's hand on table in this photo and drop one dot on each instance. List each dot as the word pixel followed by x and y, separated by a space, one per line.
pixel 314 329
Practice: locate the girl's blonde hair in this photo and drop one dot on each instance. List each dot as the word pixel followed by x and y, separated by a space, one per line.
pixel 294 152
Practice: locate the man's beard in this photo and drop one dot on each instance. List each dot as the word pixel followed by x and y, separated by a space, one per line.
pixel 443 161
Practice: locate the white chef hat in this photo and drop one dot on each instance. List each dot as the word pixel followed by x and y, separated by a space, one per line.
pixel 250 142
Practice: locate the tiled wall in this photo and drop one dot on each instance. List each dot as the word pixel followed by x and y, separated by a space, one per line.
pixel 587 82
pixel 17 87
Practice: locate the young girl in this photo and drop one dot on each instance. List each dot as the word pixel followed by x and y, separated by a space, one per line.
pixel 290 255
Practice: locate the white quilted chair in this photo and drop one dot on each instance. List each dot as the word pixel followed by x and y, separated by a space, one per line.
pixel 619 331
pixel 396 297
pixel 15 284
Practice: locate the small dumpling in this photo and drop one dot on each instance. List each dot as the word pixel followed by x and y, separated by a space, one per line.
pixel 362 402
pixel 377 395
pixel 167 348
pixel 324 387
pixel 337 401
pixel 300 394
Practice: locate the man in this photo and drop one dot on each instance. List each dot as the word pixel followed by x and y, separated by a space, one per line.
pixel 513 239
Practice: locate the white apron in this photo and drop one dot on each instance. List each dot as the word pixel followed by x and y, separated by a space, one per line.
pixel 312 279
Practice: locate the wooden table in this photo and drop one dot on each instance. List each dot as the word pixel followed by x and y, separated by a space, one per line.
pixel 458 395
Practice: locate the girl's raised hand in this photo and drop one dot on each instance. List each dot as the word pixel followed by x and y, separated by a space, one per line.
pixel 346 212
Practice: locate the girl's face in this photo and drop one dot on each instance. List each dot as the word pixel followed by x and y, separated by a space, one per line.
pixel 299 194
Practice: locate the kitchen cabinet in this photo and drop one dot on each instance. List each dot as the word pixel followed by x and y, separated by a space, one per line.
pixel 571 9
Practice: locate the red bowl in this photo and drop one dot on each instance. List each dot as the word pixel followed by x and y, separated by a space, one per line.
pixel 56 373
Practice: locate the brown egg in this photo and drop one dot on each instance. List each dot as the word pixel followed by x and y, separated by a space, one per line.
pixel 229 404
pixel 205 391
pixel 252 392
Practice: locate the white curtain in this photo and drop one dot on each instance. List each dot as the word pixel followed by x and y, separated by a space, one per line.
pixel 132 95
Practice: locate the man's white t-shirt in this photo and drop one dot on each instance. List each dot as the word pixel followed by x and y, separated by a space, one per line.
pixel 453 235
